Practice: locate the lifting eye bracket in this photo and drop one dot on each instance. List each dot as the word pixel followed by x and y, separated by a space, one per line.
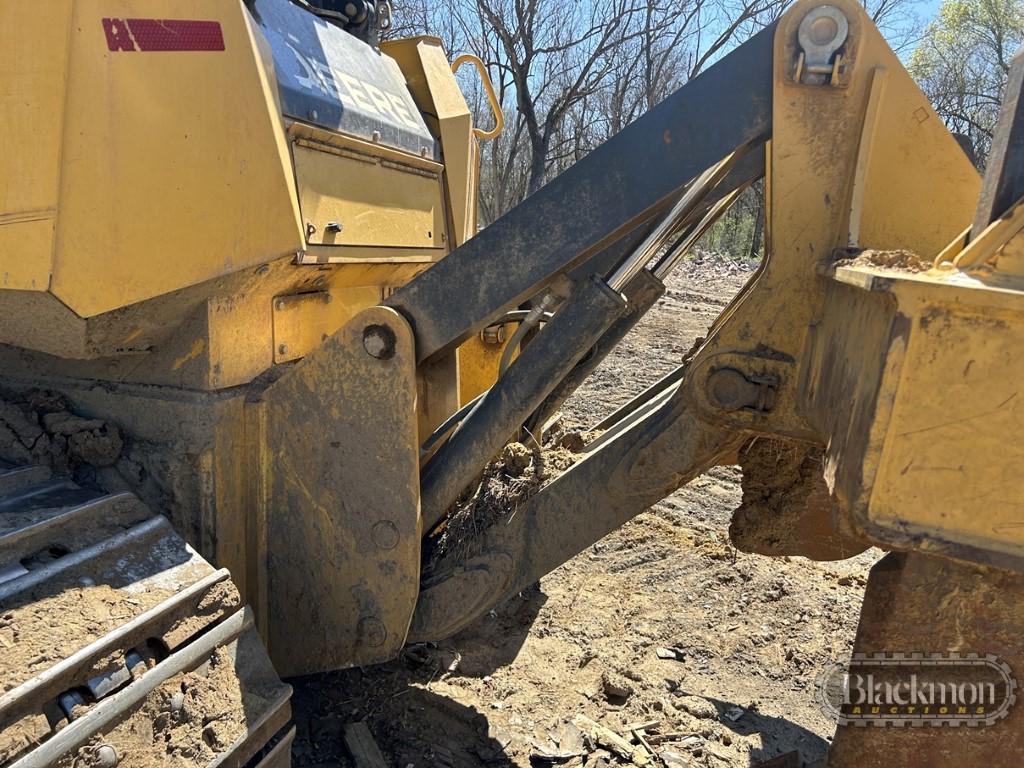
pixel 822 32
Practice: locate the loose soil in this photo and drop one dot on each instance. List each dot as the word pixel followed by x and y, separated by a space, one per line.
pixel 191 719
pixel 662 621
pixel 60 617
pixel 898 261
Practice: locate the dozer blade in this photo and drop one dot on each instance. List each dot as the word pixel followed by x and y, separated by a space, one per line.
pixel 120 644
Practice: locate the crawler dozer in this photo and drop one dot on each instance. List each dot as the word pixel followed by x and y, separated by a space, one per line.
pixel 253 352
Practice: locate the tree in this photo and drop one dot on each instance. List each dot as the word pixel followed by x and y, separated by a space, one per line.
pixel 577 73
pixel 569 75
pixel 897 20
pixel 963 62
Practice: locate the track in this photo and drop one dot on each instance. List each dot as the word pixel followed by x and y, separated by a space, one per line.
pixel 119 644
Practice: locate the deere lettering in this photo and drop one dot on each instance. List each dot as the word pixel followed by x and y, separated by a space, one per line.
pixel 318 76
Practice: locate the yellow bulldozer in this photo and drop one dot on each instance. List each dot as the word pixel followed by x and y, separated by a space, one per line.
pixel 253 352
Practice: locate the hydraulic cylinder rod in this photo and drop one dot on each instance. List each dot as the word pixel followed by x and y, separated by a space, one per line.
pixel 689 202
pixel 642 293
pixel 680 249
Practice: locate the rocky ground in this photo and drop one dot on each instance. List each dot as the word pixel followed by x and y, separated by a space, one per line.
pixel 660 633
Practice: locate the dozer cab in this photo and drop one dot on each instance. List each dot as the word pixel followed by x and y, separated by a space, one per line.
pixel 253 353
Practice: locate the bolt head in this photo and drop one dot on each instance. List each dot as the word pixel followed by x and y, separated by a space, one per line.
pixel 282 349
pixel 730 390
pixel 385 534
pixel 493 334
pixel 106 756
pixel 379 341
pixel 371 631
pixel 279 305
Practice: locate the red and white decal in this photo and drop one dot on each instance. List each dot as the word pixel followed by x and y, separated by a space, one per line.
pixel 163 35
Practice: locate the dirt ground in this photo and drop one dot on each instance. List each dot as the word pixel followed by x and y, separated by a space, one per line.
pixel 745 635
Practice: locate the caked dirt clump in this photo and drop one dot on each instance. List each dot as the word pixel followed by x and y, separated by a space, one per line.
pixel 787 507
pixel 42 427
pixel 39 427
pixel 778 479
pixel 898 260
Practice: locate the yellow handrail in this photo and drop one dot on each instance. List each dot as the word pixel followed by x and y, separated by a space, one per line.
pixel 499 118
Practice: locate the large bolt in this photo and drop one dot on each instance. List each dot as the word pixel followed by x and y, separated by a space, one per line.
pixel 379 341
pixel 106 756
pixel 730 390
pixel 385 534
pixel 371 631
pixel 493 334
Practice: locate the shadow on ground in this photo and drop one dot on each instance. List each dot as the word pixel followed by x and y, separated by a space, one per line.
pixel 411 724
pixel 779 737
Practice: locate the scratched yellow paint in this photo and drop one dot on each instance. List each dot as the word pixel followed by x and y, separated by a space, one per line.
pixel 951 460
pixel 195 351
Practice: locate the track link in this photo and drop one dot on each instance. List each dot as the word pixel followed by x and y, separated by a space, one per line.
pixel 119 644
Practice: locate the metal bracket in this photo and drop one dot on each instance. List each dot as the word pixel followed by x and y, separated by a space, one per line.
pixel 822 32
pixel 341 489
pixel 493 334
pixel 746 391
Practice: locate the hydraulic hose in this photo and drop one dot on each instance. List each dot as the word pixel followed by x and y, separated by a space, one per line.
pixel 533 319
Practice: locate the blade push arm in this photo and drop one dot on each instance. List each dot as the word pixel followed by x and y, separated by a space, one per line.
pixel 836 139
